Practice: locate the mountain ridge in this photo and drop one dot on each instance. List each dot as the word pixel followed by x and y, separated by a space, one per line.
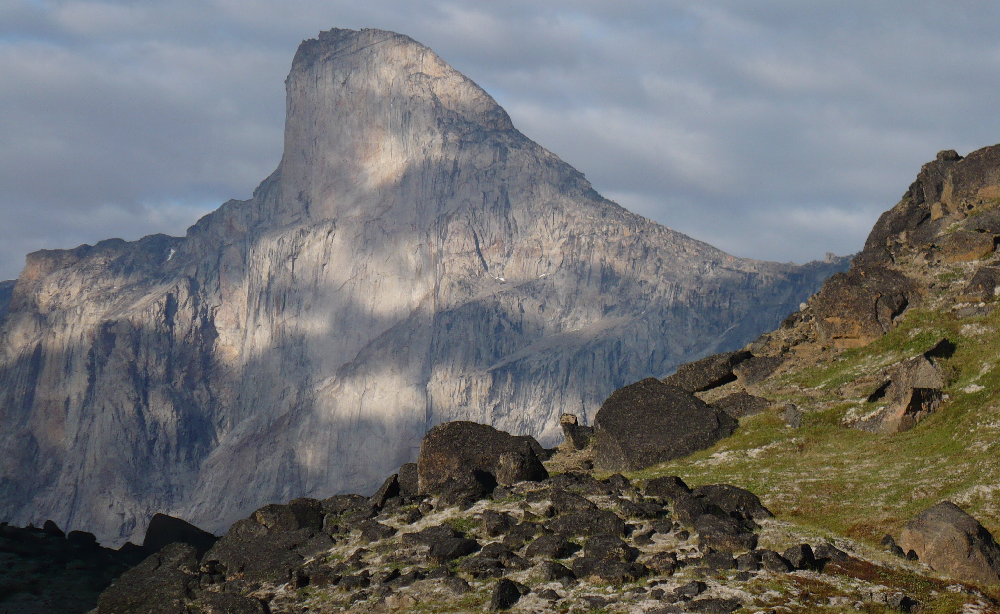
pixel 393 273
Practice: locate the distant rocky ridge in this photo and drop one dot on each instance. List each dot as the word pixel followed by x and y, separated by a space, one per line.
pixel 413 260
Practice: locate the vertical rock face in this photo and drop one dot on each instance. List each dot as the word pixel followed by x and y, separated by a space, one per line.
pixel 413 260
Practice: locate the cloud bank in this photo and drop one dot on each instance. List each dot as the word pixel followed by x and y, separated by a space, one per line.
pixel 777 130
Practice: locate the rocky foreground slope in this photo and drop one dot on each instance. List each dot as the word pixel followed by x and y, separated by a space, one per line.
pixel 854 470
pixel 414 259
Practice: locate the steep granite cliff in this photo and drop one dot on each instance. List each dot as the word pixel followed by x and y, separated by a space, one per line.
pixel 414 259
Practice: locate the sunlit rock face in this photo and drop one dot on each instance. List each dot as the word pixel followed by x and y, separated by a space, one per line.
pixel 414 259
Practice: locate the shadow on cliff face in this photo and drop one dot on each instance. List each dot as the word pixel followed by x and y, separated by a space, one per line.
pixel 541 296
pixel 214 458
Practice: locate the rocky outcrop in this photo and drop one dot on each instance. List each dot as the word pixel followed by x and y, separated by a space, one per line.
pixel 45 570
pixel 650 422
pixel 953 543
pixel 413 260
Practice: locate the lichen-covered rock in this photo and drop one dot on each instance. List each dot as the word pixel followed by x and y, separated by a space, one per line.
pixel 855 308
pixel 650 422
pixel 474 458
pixel 741 404
pixel 953 543
pixel 911 390
pixel 983 285
pixel 707 373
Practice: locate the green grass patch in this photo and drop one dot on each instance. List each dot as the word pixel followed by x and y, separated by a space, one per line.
pixel 843 481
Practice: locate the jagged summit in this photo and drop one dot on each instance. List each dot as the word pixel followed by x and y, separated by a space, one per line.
pixel 413 259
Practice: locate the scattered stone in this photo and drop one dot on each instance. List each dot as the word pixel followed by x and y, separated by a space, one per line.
pixel 408 481
pixel 389 489
pixel 774 562
pixel 800 557
pixel 497 523
pixel 668 487
pixel 548 594
pixel 505 595
pixel 577 436
pixel 450 548
pixel 757 369
pixel 650 422
pixel 609 547
pixel 747 562
pixel 741 404
pixel 718 560
pixel 829 552
pixel 456 585
pixel 663 563
pixel 551 546
pixel 792 416
pixel 713 605
pixel 691 589
pixel 372 531
pixel 725 533
pixel 550 571
pixel 707 373
pixel 952 542
pixel 733 500
pixel 225 603
pixel 586 523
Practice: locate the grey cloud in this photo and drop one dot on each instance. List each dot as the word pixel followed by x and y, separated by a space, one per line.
pixel 775 129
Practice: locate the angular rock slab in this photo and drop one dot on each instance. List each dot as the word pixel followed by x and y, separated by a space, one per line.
pixel 464 454
pixel 709 372
pixel 913 391
pixel 650 422
pixel 164 530
pixel 952 542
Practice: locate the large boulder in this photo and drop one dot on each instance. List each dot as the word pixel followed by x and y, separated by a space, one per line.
pixel 650 422
pixel 164 530
pixel 911 390
pixel 710 372
pixel 953 543
pixel 475 458
pixel 855 308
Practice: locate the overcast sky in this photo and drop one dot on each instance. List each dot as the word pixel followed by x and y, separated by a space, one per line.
pixel 772 129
